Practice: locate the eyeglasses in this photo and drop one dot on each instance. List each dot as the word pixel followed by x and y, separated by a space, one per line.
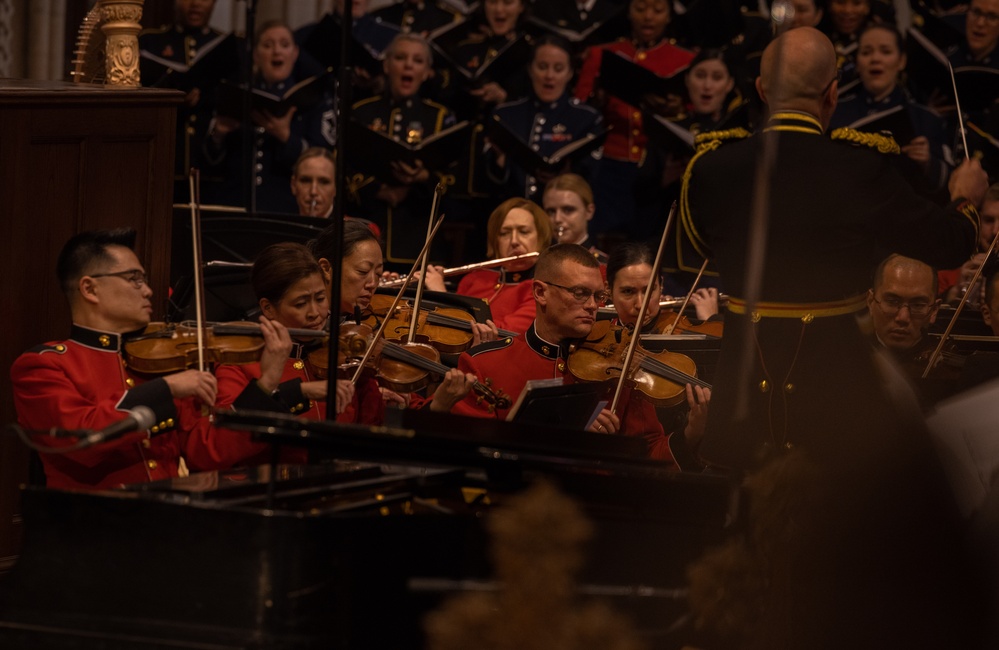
pixel 582 294
pixel 136 277
pixel 917 308
pixel 989 18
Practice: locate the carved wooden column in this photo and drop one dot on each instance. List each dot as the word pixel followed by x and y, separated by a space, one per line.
pixel 120 24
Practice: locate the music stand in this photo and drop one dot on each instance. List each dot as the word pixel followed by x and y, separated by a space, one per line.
pixel 551 403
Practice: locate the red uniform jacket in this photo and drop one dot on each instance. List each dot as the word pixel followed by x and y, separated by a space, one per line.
pixel 83 383
pixel 509 295
pixel 510 363
pixel 238 389
pixel 626 139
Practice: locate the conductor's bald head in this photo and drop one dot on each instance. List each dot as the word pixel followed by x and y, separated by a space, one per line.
pixel 798 72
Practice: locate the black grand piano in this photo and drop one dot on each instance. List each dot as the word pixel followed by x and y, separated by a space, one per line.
pixel 353 550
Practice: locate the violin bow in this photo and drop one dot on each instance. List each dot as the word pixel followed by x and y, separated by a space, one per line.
pixel 194 187
pixel 686 299
pixel 960 117
pixel 960 306
pixel 630 354
pixel 424 259
pixel 398 297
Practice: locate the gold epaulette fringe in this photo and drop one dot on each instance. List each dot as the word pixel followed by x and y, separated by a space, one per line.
pixel 711 139
pixel 883 143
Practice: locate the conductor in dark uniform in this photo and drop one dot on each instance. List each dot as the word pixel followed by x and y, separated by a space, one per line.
pixel 837 207
pixel 796 375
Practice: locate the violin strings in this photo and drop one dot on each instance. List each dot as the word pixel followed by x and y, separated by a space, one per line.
pixel 671 373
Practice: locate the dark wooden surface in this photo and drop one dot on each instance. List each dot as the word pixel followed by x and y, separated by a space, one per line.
pixel 71 159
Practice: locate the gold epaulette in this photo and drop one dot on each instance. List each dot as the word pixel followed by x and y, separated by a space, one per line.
pixel 883 143
pixel 711 139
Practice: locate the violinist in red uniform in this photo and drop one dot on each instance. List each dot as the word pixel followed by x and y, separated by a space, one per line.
pixel 516 227
pixel 567 289
pixel 289 285
pixel 83 382
pixel 361 268
pixel 628 271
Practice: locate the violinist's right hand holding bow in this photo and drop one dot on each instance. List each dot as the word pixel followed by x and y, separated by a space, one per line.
pixel 193 383
pixel 606 422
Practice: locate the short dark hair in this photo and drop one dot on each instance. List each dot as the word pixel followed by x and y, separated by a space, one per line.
pixel 87 250
pixel 279 266
pixel 628 254
pixel 551 260
pixel 555 41
pixel 355 233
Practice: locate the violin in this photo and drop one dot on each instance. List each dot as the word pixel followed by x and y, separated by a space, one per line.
pixel 447 330
pixel 402 368
pixel 660 378
pixel 163 348
pixel 682 325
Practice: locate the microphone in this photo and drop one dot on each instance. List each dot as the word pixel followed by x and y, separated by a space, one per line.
pixel 139 418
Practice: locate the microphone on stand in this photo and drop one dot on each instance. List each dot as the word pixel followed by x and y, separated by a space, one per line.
pixel 139 418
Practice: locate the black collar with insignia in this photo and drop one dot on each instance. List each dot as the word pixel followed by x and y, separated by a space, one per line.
pixel 547 349
pixel 513 277
pixel 96 339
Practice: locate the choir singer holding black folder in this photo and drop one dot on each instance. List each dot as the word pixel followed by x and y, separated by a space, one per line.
pixel 530 135
pixel 398 197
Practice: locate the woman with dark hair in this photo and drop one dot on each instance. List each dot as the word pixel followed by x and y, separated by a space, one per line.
pixel 711 93
pixel 291 292
pixel 280 139
pixel 880 62
pixel 628 271
pixel 547 119
pixel 516 227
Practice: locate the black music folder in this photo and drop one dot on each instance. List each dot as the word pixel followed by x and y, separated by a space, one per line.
pixel 323 45
pixel 668 135
pixel 532 161
pixel 630 82
pixel 929 69
pixel 215 60
pixel 510 58
pixel 553 403
pixel 894 121
pixel 372 151
pixel 602 31
pixel 303 96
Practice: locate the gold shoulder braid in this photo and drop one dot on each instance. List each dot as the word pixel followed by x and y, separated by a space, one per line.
pixel 711 139
pixel 883 143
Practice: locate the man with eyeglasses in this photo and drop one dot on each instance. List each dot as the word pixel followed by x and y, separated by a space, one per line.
pixel 981 35
pixel 567 288
pixel 902 304
pixel 84 383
